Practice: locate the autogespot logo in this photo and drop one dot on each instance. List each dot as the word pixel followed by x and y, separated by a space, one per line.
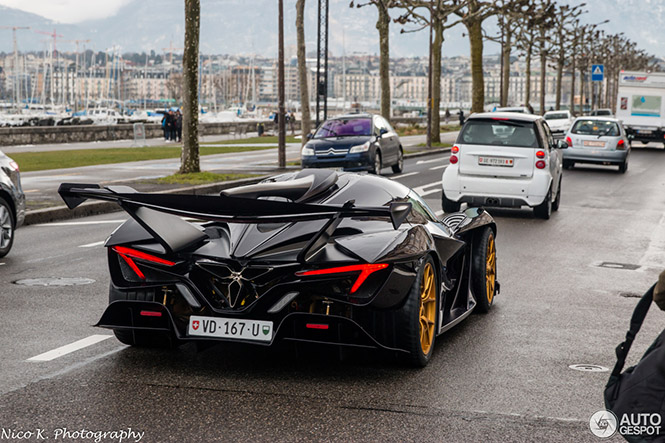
pixel 603 424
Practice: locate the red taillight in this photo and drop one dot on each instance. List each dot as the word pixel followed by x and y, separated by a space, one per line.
pixel 151 313
pixel 455 149
pixel 569 141
pixel 14 165
pixel 540 164
pixel 128 253
pixel 540 154
pixel 316 326
pixel 500 118
pixel 453 159
pixel 365 271
pixel 621 144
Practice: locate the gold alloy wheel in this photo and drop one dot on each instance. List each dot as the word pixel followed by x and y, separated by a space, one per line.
pixel 490 269
pixel 427 308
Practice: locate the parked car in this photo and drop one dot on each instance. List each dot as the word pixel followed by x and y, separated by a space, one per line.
pixel 597 140
pixel 356 142
pixel 602 113
pixel 312 256
pixel 558 121
pixel 12 202
pixel 504 159
pixel 518 109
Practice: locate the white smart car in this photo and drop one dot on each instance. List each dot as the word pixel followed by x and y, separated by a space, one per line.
pixel 504 159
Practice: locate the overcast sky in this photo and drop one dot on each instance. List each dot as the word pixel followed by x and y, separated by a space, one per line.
pixel 68 11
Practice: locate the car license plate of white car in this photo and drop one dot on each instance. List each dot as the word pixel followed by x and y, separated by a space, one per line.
pixel 496 161
pixel 233 328
pixel 644 131
pixel 593 143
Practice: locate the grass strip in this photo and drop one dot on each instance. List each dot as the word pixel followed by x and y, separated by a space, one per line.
pixel 272 139
pixel 199 178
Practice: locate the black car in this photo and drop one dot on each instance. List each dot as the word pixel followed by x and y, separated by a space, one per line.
pixel 313 256
pixel 356 142
pixel 12 202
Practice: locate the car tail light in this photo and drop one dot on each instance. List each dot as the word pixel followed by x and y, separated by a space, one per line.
pixel 540 164
pixel 569 141
pixel 151 314
pixel 453 159
pixel 365 271
pixel 14 165
pixel 316 326
pixel 540 154
pixel 455 149
pixel 127 254
pixel 621 144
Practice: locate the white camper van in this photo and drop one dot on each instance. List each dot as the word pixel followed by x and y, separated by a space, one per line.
pixel 641 105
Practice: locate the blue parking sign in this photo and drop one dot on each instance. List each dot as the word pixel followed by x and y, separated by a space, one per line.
pixel 597 73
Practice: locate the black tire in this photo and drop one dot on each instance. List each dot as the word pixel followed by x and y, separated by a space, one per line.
pixel 377 165
pixel 399 166
pixel 418 312
pixel 623 167
pixel 544 210
pixel 448 206
pixel 483 270
pixel 557 200
pixel 7 226
pixel 145 339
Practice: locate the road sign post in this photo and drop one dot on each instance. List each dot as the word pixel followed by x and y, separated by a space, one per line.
pixel 597 73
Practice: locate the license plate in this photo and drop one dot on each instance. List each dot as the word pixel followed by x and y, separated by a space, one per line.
pixel 496 161
pixel 644 131
pixel 597 144
pixel 219 327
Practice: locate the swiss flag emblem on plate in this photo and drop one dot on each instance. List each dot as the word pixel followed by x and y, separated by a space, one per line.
pixel 195 324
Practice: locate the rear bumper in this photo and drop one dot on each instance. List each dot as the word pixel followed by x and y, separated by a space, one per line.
pixel 494 191
pixel 655 135
pixel 595 156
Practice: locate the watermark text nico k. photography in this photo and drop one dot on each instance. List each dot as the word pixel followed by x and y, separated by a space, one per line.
pixel 67 434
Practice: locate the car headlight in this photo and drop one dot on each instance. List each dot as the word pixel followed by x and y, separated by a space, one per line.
pixel 359 148
pixel 307 151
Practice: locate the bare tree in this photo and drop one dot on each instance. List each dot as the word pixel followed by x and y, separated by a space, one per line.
pixel 564 18
pixel 174 86
pixel 189 159
pixel 305 122
pixel 383 26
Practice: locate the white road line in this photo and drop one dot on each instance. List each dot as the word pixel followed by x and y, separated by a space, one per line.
pixel 438 213
pixel 655 253
pixel 422 162
pixel 408 174
pixel 438 167
pixel 2 264
pixel 421 189
pixel 68 349
pixel 82 223
pixel 92 245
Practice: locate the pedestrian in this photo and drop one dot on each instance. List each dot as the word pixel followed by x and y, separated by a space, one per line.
pixel 259 129
pixel 178 125
pixel 172 127
pixel 460 114
pixel 276 121
pixel 446 116
pixel 165 117
pixel 292 122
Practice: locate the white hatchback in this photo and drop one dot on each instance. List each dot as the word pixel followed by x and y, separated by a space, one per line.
pixel 558 121
pixel 507 160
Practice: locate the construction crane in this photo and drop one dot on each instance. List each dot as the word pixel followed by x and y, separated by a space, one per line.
pixel 171 49
pixel 51 34
pixel 17 82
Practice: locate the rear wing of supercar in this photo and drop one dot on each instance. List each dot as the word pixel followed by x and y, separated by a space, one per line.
pixel 152 211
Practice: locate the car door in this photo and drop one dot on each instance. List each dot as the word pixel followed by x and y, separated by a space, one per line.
pixel 387 141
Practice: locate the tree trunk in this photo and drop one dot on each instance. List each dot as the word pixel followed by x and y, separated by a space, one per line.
pixel 477 77
pixel 572 87
pixel 506 67
pixel 189 159
pixel 305 123
pixel 543 68
pixel 559 78
pixel 382 25
pixel 435 130
pixel 582 89
pixel 527 92
pixel 281 137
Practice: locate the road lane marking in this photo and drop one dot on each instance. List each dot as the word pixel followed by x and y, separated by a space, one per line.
pixel 439 213
pixel 92 245
pixel 654 256
pixel 408 174
pixel 82 223
pixel 438 167
pixel 30 190
pixel 68 349
pixel 421 189
pixel 422 162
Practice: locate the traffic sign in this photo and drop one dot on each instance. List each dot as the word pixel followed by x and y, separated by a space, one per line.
pixel 597 73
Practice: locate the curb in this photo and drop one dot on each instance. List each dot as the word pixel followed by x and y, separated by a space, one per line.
pixel 57 213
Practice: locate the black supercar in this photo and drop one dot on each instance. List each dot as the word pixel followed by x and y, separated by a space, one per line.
pixel 312 256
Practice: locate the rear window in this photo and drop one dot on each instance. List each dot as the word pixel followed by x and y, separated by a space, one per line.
pixel 499 133
pixel 345 128
pixel 595 127
pixel 601 112
pixel 557 116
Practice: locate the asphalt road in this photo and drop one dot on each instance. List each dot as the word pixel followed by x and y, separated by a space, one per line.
pixel 503 376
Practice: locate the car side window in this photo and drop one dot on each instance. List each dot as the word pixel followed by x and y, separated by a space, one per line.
pixel 545 135
pixel 550 138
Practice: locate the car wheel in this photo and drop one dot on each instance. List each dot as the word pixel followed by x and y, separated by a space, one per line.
pixel 399 166
pixel 483 276
pixel 449 206
pixel 146 339
pixel 623 167
pixel 418 316
pixel 7 224
pixel 376 168
pixel 544 210
pixel 557 200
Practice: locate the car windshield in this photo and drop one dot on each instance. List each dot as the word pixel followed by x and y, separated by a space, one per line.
pixel 602 112
pixel 595 127
pixel 499 133
pixel 345 127
pixel 557 116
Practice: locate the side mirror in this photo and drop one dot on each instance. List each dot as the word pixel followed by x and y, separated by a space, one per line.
pixel 382 131
pixel 561 144
pixel 309 136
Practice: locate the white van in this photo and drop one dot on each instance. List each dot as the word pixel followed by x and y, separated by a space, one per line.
pixel 504 159
pixel 641 105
